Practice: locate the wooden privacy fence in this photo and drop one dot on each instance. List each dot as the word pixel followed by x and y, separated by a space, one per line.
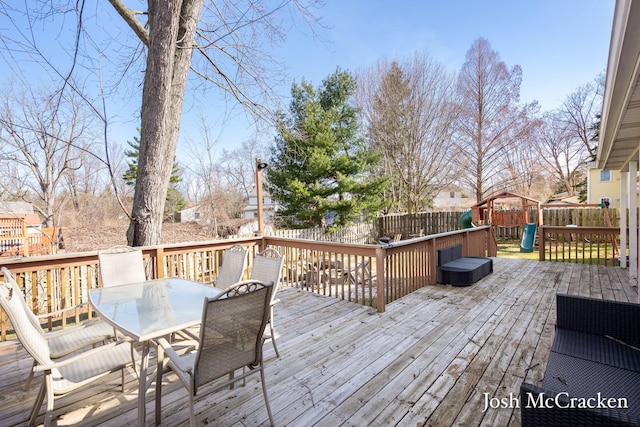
pixel 420 224
pixel 362 233
pixel 57 286
pixel 412 225
pixel 582 217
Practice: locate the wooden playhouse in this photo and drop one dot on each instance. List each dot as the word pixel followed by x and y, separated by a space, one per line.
pixel 509 210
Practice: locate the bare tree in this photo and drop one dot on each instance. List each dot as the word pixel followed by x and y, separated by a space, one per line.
pixel 224 34
pixel 45 136
pixel 491 119
pixel 524 170
pixel 230 39
pixel 562 152
pixel 216 182
pixel 580 112
pixel 410 109
pixel 239 166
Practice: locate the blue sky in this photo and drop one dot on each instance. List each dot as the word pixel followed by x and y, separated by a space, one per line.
pixel 560 45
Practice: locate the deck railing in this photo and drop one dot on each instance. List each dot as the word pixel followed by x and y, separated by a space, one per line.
pixel 56 286
pixel 586 245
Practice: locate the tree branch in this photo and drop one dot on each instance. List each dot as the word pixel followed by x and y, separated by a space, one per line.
pixel 129 17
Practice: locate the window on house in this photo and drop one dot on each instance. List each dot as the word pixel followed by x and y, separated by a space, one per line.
pixel 605 175
pixel 452 195
pixel 197 215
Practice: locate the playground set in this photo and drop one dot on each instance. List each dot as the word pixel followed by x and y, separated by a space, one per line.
pixel 512 210
pixel 507 210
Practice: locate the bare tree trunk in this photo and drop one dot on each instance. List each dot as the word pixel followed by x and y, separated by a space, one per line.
pixel 172 27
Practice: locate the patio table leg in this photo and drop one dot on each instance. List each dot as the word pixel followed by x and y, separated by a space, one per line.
pixel 160 356
pixel 142 384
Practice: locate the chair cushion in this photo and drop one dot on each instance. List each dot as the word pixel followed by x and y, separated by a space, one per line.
pixel 596 348
pixel 580 378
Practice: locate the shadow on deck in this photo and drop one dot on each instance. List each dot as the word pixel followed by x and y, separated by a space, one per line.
pixel 433 358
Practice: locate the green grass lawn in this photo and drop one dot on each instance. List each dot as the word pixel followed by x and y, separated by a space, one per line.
pixel 511 249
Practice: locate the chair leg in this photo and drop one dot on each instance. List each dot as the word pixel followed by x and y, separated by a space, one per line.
pixel 48 416
pixel 192 416
pixel 264 392
pixel 273 333
pixel 37 404
pixel 273 338
pixel 28 383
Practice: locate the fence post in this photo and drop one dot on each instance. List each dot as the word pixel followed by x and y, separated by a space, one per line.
pixel 159 253
pixel 492 244
pixel 541 243
pixel 432 260
pixel 381 254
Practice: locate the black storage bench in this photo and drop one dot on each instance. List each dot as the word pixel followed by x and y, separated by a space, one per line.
pixel 454 269
pixel 593 372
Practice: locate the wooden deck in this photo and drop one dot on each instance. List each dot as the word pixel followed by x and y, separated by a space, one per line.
pixel 429 360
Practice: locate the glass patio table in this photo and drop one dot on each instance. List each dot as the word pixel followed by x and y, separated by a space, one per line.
pixel 148 310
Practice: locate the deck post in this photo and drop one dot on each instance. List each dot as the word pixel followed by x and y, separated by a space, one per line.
pixel 160 263
pixel 633 223
pixel 381 254
pixel 624 203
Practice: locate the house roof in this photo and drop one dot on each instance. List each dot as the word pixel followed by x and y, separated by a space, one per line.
pixel 505 195
pixel 15 208
pixel 620 128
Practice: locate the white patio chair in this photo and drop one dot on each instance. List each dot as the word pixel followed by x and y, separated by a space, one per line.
pixel 232 267
pixel 231 338
pixel 66 375
pixel 121 265
pixel 65 341
pixel 267 267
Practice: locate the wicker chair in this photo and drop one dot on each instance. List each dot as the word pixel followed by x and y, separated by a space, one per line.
pixel 231 338
pixel 66 375
pixel 267 267
pixel 65 341
pixel 232 267
pixel 121 265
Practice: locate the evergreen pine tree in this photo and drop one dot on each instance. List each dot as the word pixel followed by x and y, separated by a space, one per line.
pixel 174 200
pixel 321 170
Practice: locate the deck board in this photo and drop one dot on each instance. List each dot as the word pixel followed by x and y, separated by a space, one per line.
pixel 428 360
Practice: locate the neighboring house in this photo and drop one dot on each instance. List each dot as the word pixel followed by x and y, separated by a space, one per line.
pixel 191 214
pixel 21 231
pixel 452 199
pixel 563 198
pixel 619 139
pixel 268 206
pixel 23 211
pixel 604 185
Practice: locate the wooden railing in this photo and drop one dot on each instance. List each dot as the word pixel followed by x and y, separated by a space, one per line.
pixel 373 275
pixel 586 245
